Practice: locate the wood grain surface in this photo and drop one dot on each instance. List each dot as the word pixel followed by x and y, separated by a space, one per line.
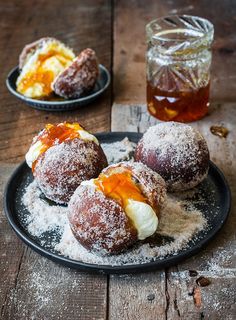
pixel 217 262
pixel 141 296
pixel 32 287
pixel 77 23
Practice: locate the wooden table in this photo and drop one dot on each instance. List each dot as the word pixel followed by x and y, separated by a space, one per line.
pixel 33 287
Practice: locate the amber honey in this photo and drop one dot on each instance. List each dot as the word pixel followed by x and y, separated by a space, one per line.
pixel 119 186
pixel 178 67
pixel 178 105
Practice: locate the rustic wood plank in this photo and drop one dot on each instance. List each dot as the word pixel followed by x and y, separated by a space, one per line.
pixel 129 45
pixel 217 262
pixel 140 296
pixel 55 292
pixel 79 24
pixel 32 287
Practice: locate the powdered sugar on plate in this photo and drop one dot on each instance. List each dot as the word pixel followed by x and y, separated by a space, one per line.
pixel 179 224
pixel 119 151
pixel 176 223
pixel 43 217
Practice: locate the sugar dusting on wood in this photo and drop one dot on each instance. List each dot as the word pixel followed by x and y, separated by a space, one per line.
pixel 178 223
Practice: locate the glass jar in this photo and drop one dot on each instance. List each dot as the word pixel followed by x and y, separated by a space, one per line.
pixel 178 67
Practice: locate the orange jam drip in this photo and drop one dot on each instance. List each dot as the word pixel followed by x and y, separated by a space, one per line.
pixel 120 187
pixel 56 134
pixel 42 76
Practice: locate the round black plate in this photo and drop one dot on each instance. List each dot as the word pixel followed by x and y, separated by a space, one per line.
pixel 62 105
pixel 216 211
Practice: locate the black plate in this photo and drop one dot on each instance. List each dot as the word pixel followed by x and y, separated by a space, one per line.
pixel 62 105
pixel 216 211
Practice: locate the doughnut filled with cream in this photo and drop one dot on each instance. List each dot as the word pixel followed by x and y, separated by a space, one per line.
pixel 40 63
pixel 112 212
pixel 61 157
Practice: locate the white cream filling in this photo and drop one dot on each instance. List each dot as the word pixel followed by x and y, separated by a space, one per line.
pixel 143 217
pixel 88 183
pixel 141 214
pixel 87 136
pixel 56 64
pixel 33 153
pixel 35 149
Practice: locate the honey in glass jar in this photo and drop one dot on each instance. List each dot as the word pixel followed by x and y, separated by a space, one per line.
pixel 178 67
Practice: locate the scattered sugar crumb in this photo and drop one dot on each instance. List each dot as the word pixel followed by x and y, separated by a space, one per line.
pixel 179 224
pixel 43 217
pixel 119 151
pixel 191 223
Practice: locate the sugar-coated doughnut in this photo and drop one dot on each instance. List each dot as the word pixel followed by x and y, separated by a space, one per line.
pixel 61 157
pixel 177 152
pixel 79 78
pixel 120 207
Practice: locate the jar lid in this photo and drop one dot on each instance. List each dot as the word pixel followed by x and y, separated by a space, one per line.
pixel 180 35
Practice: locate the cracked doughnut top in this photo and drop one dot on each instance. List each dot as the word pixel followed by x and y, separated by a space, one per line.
pixel 53 135
pixel 62 156
pixel 120 207
pixel 137 182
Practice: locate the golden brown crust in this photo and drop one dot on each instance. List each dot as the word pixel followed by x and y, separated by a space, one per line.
pixel 61 169
pixel 99 223
pixel 79 78
pixel 150 183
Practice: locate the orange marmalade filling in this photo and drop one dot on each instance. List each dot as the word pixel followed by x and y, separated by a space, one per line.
pixel 56 134
pixel 42 76
pixel 120 187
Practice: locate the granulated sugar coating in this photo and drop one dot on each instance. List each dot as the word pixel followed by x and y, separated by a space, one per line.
pixel 61 169
pixel 100 223
pixel 177 226
pixel 177 152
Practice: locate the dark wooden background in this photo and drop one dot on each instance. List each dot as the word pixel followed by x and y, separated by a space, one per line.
pixel 33 287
